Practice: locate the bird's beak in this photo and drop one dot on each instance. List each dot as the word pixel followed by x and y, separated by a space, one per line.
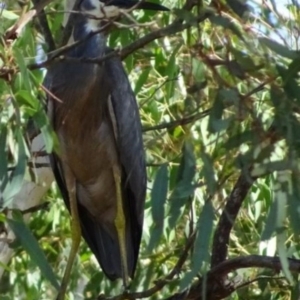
pixel 127 4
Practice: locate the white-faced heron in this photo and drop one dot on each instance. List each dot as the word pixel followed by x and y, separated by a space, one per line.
pixel 100 164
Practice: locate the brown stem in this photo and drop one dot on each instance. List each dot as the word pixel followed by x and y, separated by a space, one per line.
pixel 227 219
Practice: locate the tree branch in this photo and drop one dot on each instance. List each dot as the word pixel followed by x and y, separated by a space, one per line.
pixel 253 261
pixel 215 290
pixel 179 122
pixel 228 216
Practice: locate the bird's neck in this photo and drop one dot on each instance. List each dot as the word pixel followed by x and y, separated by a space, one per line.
pixel 93 44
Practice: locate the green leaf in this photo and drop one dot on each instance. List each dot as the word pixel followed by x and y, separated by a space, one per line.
pixel 15 182
pixel 25 97
pixel 3 158
pixel 32 247
pixel 282 253
pixel 171 72
pixel 184 15
pixel 141 80
pixel 270 226
pixel 159 194
pixel 201 252
pixel 9 15
pixel 236 140
pixel 277 96
pixel 294 204
pixel 278 48
pixel 289 76
pixel 227 24
pixel 244 60
pixel 41 121
pixel 158 199
pixel 198 69
pixel 184 187
pixel 224 98
pixel 208 173
pixel 25 76
pixel 283 179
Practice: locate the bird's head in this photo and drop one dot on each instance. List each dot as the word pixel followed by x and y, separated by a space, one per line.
pixel 106 9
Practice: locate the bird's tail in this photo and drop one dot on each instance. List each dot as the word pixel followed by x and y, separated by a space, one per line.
pixel 104 243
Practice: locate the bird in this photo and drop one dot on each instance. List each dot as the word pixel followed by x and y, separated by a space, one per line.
pixel 99 163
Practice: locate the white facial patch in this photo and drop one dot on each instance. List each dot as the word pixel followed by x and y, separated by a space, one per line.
pixel 100 12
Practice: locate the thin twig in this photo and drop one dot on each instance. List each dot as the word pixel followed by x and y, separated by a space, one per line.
pixel 175 27
pixel 179 122
pixel 48 92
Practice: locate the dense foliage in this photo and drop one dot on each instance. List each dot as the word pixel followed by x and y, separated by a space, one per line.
pixel 218 89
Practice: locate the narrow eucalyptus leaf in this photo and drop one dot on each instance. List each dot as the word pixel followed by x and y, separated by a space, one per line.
pixel 204 231
pixel 202 244
pixel 270 226
pixel 3 156
pixel 15 182
pixel 294 204
pixel 282 253
pixel 171 72
pixel 279 48
pixel 25 78
pixel 156 233
pixel 208 173
pixel 158 199
pixel 184 187
pixel 159 194
pixel 32 247
pixel 141 80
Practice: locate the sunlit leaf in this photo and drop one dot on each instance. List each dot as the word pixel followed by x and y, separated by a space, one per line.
pixel 9 15
pixel 30 244
pixel 201 248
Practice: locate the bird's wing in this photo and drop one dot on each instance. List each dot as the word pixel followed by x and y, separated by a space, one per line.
pixel 128 135
pixel 130 144
pixel 101 242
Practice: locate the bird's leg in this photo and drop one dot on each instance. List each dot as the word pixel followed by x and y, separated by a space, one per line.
pixel 120 224
pixel 75 231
